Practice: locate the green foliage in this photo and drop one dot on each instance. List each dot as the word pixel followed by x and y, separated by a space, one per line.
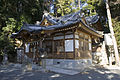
pixel 95 7
pixel 115 11
pixel 67 6
pixel 116 25
pixel 10 25
pixel 6 43
pixel 12 14
pixel 64 6
pixel 29 11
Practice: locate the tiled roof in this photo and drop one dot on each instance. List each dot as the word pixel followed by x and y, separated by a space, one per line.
pixel 60 22
pixel 92 19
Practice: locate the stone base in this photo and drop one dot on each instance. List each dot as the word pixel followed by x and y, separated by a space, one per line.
pixel 69 63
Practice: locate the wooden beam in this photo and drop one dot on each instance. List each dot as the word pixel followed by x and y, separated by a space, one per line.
pixel 64 47
pixel 74 42
pixel 52 47
pixel 90 31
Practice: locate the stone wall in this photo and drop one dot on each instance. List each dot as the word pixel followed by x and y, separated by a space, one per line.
pixel 69 63
pixel 100 55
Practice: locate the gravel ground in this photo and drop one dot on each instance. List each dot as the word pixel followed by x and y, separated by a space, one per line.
pixel 10 72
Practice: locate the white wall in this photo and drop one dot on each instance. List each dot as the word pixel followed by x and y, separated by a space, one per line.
pixel 69 45
pixel 77 44
pixel 27 47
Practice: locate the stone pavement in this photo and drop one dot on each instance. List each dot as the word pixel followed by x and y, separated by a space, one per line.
pixel 63 71
pixel 12 72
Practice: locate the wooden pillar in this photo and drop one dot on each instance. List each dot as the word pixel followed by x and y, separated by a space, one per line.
pixel 64 47
pixel 40 43
pixel 52 47
pixel 24 51
pixel 74 43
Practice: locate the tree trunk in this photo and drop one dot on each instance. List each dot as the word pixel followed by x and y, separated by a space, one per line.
pixel 112 34
pixel 79 4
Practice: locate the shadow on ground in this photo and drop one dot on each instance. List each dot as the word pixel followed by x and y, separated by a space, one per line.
pixel 95 73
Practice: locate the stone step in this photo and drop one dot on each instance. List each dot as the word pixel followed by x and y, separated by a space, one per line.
pixel 61 70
